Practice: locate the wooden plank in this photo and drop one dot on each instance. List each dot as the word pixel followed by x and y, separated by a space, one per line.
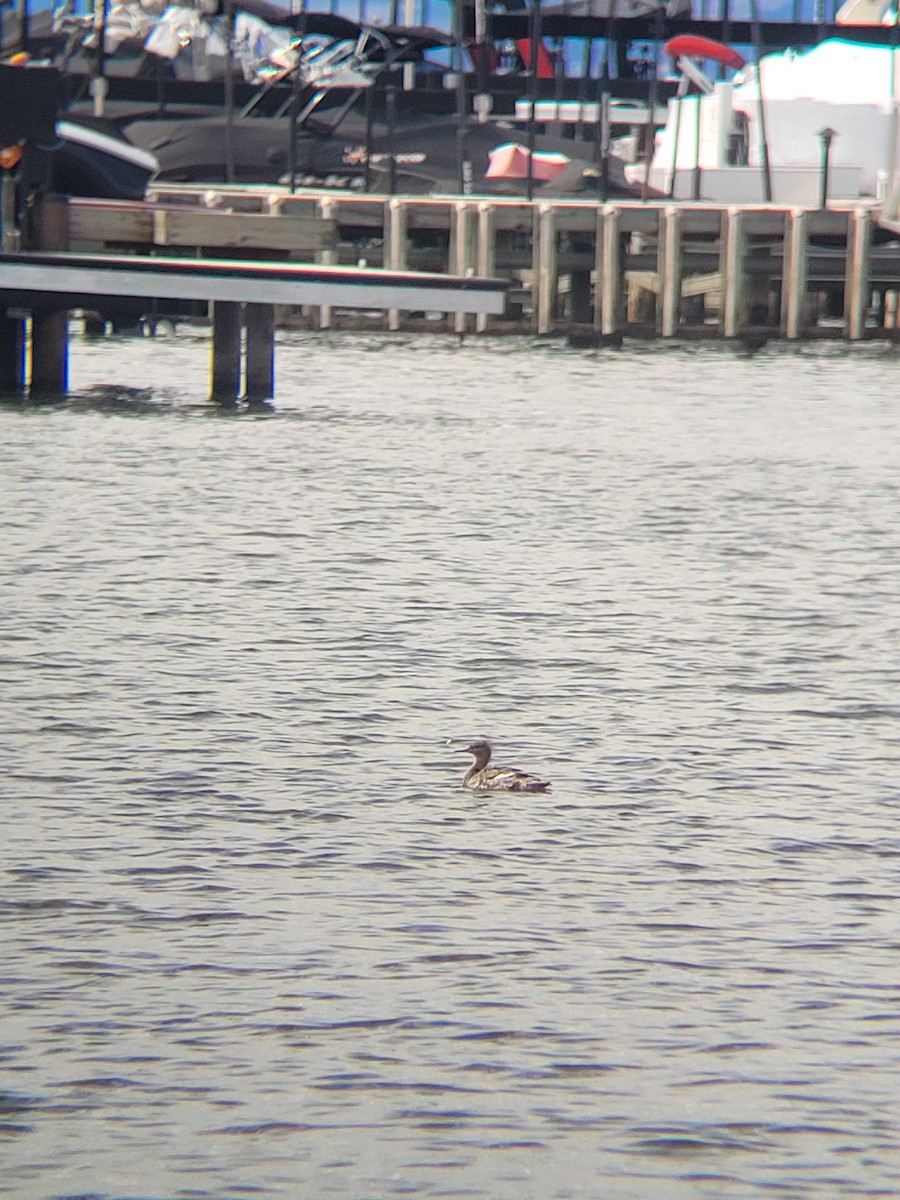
pixel 132 225
pixel 173 227
pixel 708 284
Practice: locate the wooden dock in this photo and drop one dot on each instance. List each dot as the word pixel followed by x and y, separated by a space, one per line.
pixel 580 267
pixel 40 289
pixel 249 259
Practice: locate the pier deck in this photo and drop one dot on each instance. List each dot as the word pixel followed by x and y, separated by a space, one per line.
pixel 655 268
pixel 242 295
pixel 595 271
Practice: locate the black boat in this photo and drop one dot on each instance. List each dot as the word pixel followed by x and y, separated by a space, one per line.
pixel 49 153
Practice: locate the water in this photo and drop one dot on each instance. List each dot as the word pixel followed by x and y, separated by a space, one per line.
pixel 257 941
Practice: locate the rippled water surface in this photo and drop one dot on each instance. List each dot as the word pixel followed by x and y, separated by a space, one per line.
pixel 257 940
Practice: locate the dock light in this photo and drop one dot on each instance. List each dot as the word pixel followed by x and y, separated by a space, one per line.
pixel 825 137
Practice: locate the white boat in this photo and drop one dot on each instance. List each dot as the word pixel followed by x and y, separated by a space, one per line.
pixel 838 93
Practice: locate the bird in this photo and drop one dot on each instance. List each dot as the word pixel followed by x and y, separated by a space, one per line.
pixel 482 778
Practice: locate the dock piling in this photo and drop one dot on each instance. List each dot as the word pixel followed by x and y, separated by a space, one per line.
pixel 225 374
pixel 12 354
pixel 611 277
pixel 857 292
pixel 50 327
pixel 733 272
pixel 462 250
pixel 260 323
pixel 670 270
pixel 796 271
pixel 396 227
pixel 486 251
pixel 328 257
pixel 49 354
pixel 545 267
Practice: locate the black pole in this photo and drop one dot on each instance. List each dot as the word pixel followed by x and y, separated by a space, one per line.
pixel 229 91
pixel 583 86
pixel 294 106
pixel 370 122
pixel 24 26
pixel 390 101
pixel 670 191
pixel 726 32
pixel 534 43
pixel 603 94
pixel 100 71
pixel 463 174
pixel 695 177
pixel 761 105
pixel 650 144
pixel 825 137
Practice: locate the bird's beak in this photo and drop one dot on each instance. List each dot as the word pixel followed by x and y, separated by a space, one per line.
pixel 460 749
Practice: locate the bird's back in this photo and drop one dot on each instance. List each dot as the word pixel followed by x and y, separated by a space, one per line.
pixel 507 779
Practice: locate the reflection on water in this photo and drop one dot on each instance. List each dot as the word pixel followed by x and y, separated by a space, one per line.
pixel 257 938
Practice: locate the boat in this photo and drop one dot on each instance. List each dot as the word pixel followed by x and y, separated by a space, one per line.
pixel 800 126
pixel 60 155
pixel 319 99
pixel 255 93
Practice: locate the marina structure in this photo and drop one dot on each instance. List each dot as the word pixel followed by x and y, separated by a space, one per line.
pixel 682 225
pixel 39 289
pixel 580 268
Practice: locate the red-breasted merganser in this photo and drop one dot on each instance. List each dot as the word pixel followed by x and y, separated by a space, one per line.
pixel 483 778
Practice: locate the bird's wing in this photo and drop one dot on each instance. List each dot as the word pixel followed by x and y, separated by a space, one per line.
pixel 512 780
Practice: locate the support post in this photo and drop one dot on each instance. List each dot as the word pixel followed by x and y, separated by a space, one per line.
pixel 260 321
pixel 580 297
pixel 599 263
pixel 50 223
pixel 487 251
pixel 857 288
pixel 50 328
pixel 891 309
pixel 611 279
pixel 544 267
pixel 397 223
pixel 9 226
pixel 49 353
pixel 733 280
pixel 12 355
pixel 462 250
pixel 225 373
pixel 670 270
pixel 796 273
pixel 327 257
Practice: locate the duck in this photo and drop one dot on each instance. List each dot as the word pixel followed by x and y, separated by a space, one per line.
pixel 482 778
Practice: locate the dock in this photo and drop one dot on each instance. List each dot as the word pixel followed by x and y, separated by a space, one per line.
pixel 625 268
pixel 250 259
pixel 39 289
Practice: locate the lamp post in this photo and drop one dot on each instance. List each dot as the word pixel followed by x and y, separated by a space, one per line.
pixel 825 137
